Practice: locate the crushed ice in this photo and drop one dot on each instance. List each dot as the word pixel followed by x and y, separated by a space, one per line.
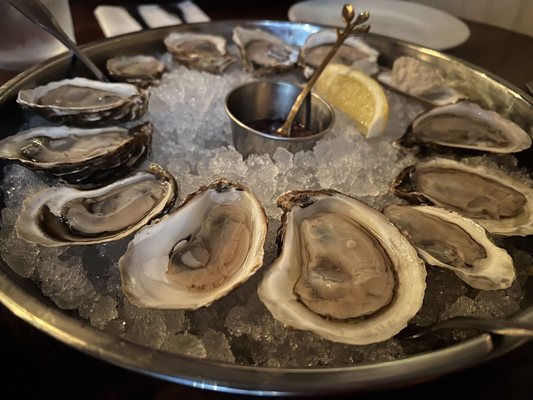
pixel 193 141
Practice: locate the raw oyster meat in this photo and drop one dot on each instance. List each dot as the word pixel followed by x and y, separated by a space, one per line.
pixel 354 52
pixel 500 203
pixel 197 254
pixel 449 240
pixel 82 101
pixel 344 271
pixel 77 155
pixel 139 70
pixel 65 216
pixel 262 52
pixel 466 125
pixel 199 51
pixel 420 80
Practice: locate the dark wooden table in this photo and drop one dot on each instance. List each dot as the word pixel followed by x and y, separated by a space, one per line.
pixel 37 365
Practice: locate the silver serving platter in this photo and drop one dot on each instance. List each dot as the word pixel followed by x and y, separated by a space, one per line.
pixel 25 299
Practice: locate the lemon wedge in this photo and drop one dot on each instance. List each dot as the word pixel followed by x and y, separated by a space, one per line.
pixel 356 94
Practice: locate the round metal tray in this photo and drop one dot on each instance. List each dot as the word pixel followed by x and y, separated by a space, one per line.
pixel 25 299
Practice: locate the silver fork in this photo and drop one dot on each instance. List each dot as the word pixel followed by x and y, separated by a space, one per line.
pixel 529 86
pixel 498 326
pixel 40 15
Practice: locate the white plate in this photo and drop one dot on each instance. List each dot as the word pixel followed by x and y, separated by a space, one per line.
pixel 404 20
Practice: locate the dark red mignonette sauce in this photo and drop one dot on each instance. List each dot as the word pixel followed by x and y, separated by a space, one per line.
pixel 271 125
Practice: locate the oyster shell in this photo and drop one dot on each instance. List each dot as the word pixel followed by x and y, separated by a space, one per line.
pixel 354 52
pixel 197 254
pixel 500 203
pixel 199 51
pixel 446 239
pixel 466 125
pixel 344 271
pixel 420 80
pixel 66 216
pixel 139 70
pixel 262 52
pixel 82 101
pixel 78 155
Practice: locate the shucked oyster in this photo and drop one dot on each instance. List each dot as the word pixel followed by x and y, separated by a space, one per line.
pixel 465 125
pixel 140 70
pixel 82 101
pixel 197 254
pixel 199 51
pixel 446 239
pixel 262 52
pixel 66 216
pixel 78 155
pixel 420 80
pixel 344 271
pixel 354 52
pixel 502 204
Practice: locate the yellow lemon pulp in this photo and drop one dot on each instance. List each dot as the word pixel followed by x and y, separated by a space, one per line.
pixel 356 94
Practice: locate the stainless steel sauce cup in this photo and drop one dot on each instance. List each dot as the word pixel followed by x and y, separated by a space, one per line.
pixel 272 100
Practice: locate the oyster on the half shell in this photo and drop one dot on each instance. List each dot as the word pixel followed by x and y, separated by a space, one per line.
pixel 65 216
pixel 263 52
pixel 449 240
pixel 419 80
pixel 81 101
pixel 502 204
pixel 466 125
pixel 344 271
pixel 77 155
pixel 198 51
pixel 140 70
pixel 354 52
pixel 198 253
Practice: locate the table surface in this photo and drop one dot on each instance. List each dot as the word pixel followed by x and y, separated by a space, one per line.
pixel 39 365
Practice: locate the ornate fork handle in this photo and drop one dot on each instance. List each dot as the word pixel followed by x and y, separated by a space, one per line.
pixel 353 26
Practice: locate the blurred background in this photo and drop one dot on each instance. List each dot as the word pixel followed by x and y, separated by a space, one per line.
pixel 516 15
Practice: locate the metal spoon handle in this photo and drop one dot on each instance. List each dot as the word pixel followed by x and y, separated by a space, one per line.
pixel 504 327
pixel 40 15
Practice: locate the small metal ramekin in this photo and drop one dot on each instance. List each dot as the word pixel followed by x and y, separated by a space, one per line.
pixel 271 100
